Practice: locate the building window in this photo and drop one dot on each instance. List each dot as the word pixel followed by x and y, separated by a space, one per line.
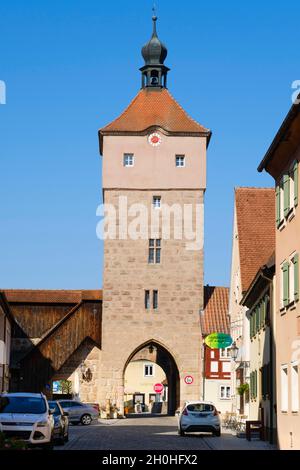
pixel 225 392
pixel 224 353
pixel 154 251
pixel 155 299
pixel 180 161
pixel 287 194
pixel 156 202
pixel 295 388
pixel 295 281
pixel 148 370
pixel 147 299
pixel 289 284
pixel 212 354
pixel 128 159
pixel 226 367
pixel 214 366
pixel 284 388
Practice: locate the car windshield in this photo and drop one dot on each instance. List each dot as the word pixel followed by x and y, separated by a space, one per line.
pixel 54 406
pixel 24 405
pixel 200 407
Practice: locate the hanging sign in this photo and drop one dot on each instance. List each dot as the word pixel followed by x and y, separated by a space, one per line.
pixel 218 341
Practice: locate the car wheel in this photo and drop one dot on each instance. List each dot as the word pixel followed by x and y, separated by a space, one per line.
pixel 217 433
pixel 86 419
pixel 181 432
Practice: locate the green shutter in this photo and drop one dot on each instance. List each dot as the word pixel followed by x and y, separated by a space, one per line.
pixel 278 206
pixel 257 318
pixel 255 384
pixel 261 315
pixel 264 310
pixel 286 289
pixel 296 277
pixel 286 192
pixel 251 384
pixel 296 189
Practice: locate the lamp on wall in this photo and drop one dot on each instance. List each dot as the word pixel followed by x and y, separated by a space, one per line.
pixel 151 348
pixel 86 372
pixel 234 350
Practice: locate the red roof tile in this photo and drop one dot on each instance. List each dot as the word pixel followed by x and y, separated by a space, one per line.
pixel 154 108
pixel 51 296
pixel 215 317
pixel 255 212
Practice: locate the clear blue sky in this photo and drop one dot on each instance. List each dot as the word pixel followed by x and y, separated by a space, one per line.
pixel 72 66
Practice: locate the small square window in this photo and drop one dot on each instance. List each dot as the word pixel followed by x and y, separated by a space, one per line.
pixel 148 370
pixel 128 159
pixel 156 202
pixel 180 161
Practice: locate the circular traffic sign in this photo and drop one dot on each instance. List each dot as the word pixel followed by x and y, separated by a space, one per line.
pixel 158 388
pixel 188 379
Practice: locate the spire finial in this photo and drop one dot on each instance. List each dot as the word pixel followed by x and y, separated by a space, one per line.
pixel 154 19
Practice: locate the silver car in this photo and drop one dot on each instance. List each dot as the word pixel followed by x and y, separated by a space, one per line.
pixel 79 412
pixel 199 416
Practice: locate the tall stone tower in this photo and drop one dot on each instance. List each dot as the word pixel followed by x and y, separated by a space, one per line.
pixel 154 170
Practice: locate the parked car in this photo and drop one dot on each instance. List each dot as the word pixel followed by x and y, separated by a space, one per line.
pixel 79 412
pixel 199 416
pixel 61 423
pixel 27 416
pixel 96 406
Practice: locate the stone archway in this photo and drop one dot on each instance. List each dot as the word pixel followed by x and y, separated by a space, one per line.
pixel 153 351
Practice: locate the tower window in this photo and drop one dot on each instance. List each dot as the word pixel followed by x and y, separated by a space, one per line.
pixel 154 251
pixel 180 161
pixel 147 299
pixel 156 202
pixel 148 370
pixel 155 299
pixel 128 159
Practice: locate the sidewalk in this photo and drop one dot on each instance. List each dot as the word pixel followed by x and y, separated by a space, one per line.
pixel 229 441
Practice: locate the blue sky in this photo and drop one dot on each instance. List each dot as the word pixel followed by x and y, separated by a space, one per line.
pixel 72 66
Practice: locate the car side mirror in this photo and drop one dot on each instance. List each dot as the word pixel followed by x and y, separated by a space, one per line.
pixel 66 413
pixel 51 411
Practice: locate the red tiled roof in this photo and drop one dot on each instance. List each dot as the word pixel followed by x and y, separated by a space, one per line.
pixel 154 108
pixel 255 212
pixel 215 318
pixel 51 296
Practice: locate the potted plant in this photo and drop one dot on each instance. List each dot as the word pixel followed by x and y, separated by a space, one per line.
pixel 243 389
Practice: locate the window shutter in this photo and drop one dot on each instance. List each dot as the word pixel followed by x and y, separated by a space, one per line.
pixel 255 382
pixel 296 277
pixel 286 192
pixel 285 270
pixel 296 184
pixel 257 318
pixel 278 206
pixel 261 315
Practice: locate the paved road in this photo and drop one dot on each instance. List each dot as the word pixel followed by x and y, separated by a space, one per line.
pixel 153 433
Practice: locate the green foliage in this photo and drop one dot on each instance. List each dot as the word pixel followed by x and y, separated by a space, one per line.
pixel 65 386
pixel 242 389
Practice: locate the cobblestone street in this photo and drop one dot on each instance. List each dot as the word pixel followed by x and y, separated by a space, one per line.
pixel 150 433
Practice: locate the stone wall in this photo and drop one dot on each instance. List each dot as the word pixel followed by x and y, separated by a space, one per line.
pixel 175 325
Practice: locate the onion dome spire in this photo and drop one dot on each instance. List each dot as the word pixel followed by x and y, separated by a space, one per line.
pixel 154 72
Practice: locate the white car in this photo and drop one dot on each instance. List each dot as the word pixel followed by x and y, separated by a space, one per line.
pixel 199 416
pixel 27 416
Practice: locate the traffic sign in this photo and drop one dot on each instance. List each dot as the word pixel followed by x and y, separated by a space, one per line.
pixel 188 379
pixel 158 388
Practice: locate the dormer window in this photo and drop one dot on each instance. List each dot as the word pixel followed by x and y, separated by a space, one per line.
pixel 128 159
pixel 180 161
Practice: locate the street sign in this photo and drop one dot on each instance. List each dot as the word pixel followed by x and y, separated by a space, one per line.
pixel 218 341
pixel 188 379
pixel 158 388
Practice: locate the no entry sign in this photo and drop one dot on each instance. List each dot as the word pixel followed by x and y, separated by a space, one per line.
pixel 158 388
pixel 188 379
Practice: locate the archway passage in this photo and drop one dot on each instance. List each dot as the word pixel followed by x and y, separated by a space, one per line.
pixel 154 353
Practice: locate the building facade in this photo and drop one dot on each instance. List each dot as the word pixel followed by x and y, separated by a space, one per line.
pixel 6 323
pixel 252 245
pixel 282 163
pixel 154 162
pixel 260 302
pixel 217 386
